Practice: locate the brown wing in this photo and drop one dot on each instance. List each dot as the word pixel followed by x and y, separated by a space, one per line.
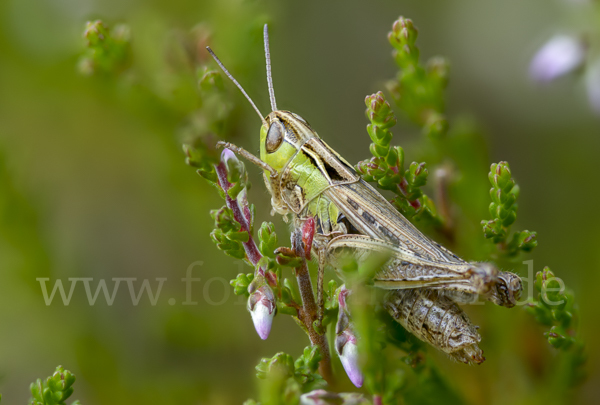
pixel 376 217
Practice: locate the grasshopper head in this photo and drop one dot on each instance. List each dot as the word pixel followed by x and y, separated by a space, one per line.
pixel 282 137
pixel 507 289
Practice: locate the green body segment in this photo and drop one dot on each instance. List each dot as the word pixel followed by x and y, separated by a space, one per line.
pixel 326 213
pixel 301 181
pixel 304 181
pixel 307 176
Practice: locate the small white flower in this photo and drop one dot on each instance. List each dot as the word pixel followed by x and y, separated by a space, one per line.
pixel 560 55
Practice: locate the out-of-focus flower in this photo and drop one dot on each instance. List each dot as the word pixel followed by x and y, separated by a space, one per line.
pixel 261 305
pixel 592 84
pixel 322 397
pixel 107 50
pixel 346 341
pixel 560 55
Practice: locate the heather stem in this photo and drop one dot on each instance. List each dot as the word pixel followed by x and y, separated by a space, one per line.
pixel 309 312
pixel 250 247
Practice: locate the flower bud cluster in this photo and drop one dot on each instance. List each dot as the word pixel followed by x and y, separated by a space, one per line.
pixel 554 307
pixel 386 167
pixel 107 50
pixel 418 90
pixel 55 390
pixel 503 208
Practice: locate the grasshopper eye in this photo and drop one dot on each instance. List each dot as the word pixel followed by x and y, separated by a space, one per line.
pixel 274 137
pixel 516 286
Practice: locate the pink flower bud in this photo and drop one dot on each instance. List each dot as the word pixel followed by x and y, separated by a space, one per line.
pixel 346 341
pixel 226 155
pixel 261 305
pixel 319 397
pixel 348 351
pixel 322 397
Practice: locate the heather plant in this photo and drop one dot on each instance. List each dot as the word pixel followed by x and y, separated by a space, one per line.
pixel 418 92
pixel 55 390
pixel 376 353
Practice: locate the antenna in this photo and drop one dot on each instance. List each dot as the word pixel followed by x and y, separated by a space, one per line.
pixel 269 78
pixel 239 86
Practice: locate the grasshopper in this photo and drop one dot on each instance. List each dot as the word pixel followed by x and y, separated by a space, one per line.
pixel 308 180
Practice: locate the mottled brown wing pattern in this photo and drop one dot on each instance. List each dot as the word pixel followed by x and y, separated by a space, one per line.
pixel 403 265
pixel 376 217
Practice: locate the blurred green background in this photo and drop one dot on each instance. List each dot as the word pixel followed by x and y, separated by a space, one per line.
pixel 93 182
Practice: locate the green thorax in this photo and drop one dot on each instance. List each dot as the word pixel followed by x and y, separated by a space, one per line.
pixel 306 166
